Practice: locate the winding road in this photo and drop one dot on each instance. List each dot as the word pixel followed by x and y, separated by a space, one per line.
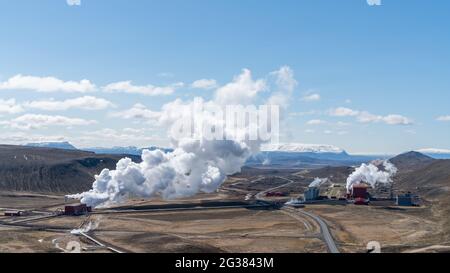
pixel 324 229
pixel 326 234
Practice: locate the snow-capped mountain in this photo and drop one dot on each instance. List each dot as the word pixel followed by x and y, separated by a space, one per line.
pixel 306 155
pixel 302 148
pixel 435 153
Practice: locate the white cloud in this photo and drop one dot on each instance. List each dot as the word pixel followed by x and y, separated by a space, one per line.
pixel 134 130
pixel 343 112
pixel 127 136
pixel 138 111
pixel 311 97
pixel 36 121
pixel 85 103
pixel 302 114
pixel 26 137
pixel 316 122
pixel 366 117
pixel 241 90
pixel 285 84
pixel 10 107
pixel 443 118
pixel 339 133
pixel 148 90
pixel 374 2
pixel 46 84
pixel 433 151
pixel 285 78
pixel 204 84
pixel 310 131
pixel 396 120
pixel 343 124
pixel 73 2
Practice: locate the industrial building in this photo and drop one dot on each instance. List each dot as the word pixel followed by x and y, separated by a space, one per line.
pixel 336 192
pixel 407 200
pixel 312 194
pixel 76 210
pixel 360 191
pixel 360 194
pixel 277 194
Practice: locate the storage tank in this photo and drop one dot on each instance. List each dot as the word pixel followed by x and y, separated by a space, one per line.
pixel 312 194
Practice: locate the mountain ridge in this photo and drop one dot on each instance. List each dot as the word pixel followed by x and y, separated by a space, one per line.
pixel 50 170
pixel 411 161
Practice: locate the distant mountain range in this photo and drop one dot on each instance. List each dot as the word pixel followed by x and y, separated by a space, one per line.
pixel 288 155
pixel 131 150
pixel 298 155
pixel 65 170
pixel 291 155
pixel 284 155
pixel 308 159
pixel 301 148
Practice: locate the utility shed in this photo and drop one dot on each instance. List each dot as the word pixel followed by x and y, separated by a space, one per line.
pixel 76 209
pixel 407 200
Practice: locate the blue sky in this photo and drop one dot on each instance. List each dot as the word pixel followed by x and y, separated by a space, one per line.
pixel 391 59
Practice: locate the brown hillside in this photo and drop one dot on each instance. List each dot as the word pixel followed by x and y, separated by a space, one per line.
pixel 51 170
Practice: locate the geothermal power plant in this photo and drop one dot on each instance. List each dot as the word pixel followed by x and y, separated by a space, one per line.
pixel 245 212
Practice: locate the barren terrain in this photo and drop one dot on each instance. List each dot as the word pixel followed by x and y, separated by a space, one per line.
pixel 234 219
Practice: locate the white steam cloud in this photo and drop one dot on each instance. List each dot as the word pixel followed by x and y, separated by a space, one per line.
pixel 195 166
pixel 197 163
pixel 92 225
pixel 372 175
pixel 318 182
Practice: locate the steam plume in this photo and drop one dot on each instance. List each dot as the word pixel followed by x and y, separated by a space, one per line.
pixel 318 182
pixel 371 174
pixel 197 164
